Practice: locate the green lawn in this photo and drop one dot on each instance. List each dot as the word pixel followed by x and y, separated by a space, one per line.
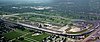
pixel 23 32
pixel 40 18
pixel 15 34
pixel 27 38
pixel 24 41
pixel 20 41
pixel 12 35
pixel 38 38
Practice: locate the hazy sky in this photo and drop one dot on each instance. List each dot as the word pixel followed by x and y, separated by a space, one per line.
pixel 30 0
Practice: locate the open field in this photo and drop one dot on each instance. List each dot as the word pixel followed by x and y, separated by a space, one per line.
pixel 35 17
pixel 12 35
pixel 37 38
pixel 28 36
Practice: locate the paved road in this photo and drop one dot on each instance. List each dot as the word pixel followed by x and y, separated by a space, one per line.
pixel 33 27
pixel 40 15
pixel 96 30
pixel 32 14
pixel 45 29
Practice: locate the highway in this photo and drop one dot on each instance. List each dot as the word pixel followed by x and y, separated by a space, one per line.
pixel 97 28
pixel 33 27
pixel 32 14
pixel 49 30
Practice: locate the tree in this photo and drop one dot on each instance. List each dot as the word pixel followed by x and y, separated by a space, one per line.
pixel 40 26
pixel 21 38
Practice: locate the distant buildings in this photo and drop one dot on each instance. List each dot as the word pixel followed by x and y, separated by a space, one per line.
pixel 32 7
pixel 94 6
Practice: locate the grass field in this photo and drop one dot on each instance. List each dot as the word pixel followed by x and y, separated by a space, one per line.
pixel 26 35
pixel 39 37
pixel 12 35
pixel 20 41
pixel 40 18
